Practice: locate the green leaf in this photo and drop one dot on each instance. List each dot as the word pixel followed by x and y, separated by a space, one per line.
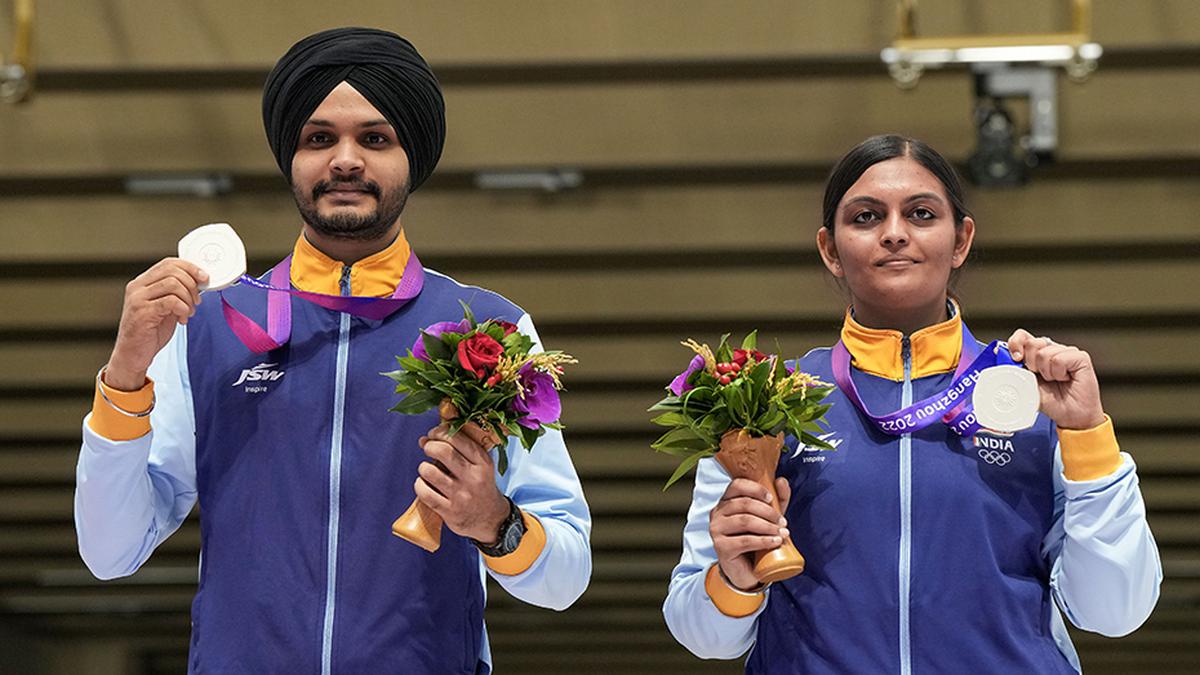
pixel 670 402
pixel 493 330
pixel 770 420
pixel 528 436
pixel 760 375
pixel 452 340
pixel 677 452
pixel 809 439
pixel 671 419
pixel 468 314
pixel 735 398
pixel 412 363
pixel 418 402
pixel 502 458
pixel 678 436
pixel 435 347
pixel 724 352
pixel 686 466
pixel 751 340
pixel 517 342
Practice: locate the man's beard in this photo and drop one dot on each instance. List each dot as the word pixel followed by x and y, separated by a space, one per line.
pixel 344 225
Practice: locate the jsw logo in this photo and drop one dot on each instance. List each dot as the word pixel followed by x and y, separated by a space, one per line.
pixel 260 373
pixel 992 443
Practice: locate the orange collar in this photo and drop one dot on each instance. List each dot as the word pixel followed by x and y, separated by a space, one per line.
pixel 376 275
pixel 935 349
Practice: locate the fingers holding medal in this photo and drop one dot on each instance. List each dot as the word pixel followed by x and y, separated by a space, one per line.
pixel 1069 390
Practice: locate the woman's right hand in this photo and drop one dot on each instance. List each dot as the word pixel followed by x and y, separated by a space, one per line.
pixel 745 522
pixel 155 301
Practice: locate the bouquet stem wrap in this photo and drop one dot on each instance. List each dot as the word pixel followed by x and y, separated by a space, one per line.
pixel 756 458
pixel 420 524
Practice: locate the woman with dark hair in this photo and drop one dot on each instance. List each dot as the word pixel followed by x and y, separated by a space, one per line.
pixel 928 548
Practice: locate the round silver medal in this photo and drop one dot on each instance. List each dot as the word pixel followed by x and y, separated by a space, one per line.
pixel 1006 399
pixel 216 249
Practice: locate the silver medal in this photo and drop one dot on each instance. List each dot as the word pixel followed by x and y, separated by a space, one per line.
pixel 216 249
pixel 1006 399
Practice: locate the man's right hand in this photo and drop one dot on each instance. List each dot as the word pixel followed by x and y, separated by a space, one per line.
pixel 157 300
pixel 745 522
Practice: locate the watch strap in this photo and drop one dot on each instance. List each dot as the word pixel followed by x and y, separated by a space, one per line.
pixel 508 536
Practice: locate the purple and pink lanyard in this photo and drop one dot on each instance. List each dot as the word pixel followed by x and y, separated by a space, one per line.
pixel 951 406
pixel 279 305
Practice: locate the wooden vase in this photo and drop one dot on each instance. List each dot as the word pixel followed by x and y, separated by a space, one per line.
pixel 745 456
pixel 420 524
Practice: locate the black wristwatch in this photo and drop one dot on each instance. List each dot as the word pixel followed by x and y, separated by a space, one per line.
pixel 508 537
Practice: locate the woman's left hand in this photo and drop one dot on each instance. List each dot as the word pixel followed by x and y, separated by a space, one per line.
pixel 1070 392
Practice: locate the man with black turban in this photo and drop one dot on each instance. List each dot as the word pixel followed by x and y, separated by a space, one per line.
pixel 284 440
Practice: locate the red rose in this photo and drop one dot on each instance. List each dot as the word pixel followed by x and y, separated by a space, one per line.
pixel 740 356
pixel 479 353
pixel 509 328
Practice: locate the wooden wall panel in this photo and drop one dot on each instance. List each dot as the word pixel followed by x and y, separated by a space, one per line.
pixel 605 124
pixel 1116 288
pixel 654 218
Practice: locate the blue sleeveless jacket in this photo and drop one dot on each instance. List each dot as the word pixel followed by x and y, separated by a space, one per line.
pixel 300 470
pixel 922 551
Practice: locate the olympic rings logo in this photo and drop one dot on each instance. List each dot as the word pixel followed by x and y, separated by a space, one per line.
pixel 994 457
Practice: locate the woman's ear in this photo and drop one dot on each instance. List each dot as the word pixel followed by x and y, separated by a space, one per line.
pixel 964 236
pixel 829 254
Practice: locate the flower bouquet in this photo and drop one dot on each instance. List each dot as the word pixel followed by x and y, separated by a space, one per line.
pixel 736 405
pixel 484 382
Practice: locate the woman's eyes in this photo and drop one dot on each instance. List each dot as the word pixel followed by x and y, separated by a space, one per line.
pixel 919 213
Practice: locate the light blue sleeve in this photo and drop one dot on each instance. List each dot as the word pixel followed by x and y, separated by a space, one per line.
pixel 1106 571
pixel 543 482
pixel 131 495
pixel 690 613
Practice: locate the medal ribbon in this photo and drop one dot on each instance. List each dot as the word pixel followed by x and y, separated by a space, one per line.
pixel 952 406
pixel 279 306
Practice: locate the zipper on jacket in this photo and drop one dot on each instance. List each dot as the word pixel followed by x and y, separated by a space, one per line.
pixel 335 475
pixel 906 399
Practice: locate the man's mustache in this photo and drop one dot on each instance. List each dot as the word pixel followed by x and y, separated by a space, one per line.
pixel 360 185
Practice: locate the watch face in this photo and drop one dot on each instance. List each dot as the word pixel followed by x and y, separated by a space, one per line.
pixel 512 536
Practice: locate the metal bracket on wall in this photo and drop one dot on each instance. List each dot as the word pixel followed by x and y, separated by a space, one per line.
pixel 16 75
pixel 909 56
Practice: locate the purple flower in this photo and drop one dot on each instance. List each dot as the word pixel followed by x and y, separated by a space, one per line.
pixel 540 404
pixel 418 348
pixel 679 385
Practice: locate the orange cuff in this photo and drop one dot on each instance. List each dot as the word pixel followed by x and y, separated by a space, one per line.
pixel 527 551
pixel 110 423
pixel 1090 453
pixel 729 600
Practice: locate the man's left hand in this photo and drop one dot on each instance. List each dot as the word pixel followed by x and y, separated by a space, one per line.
pixel 459 483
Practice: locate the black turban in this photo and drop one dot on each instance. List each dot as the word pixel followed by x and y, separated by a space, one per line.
pixel 384 67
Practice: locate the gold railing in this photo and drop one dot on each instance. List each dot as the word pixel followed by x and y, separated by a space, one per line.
pixel 909 55
pixel 16 74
